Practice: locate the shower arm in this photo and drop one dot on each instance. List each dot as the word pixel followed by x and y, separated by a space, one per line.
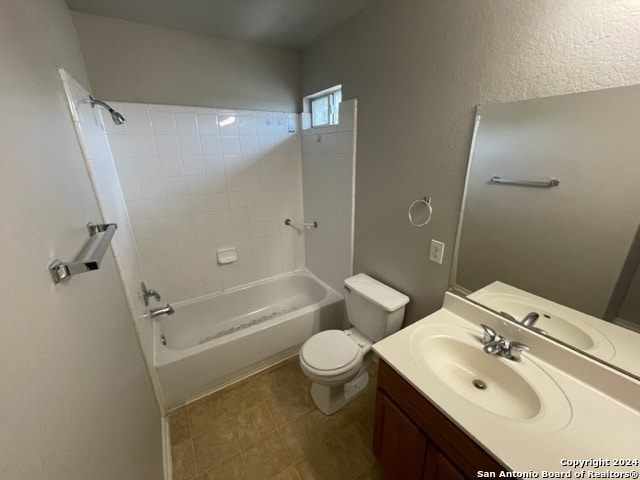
pixel 117 117
pixel 95 102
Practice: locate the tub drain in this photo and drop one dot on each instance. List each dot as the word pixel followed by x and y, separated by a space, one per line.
pixel 479 384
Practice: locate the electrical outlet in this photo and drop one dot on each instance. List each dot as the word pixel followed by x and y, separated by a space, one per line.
pixel 436 252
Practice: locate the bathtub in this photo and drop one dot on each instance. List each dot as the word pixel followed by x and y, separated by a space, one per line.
pixel 211 341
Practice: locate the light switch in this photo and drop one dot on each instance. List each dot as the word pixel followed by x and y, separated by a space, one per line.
pixel 436 253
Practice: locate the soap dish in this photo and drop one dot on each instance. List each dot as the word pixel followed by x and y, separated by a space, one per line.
pixel 227 255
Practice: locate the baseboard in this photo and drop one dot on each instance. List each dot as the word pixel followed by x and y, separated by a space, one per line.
pixel 166 448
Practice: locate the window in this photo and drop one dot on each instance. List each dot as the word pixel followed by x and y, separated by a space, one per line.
pixel 324 107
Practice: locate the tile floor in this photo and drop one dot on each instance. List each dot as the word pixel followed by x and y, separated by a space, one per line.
pixel 267 427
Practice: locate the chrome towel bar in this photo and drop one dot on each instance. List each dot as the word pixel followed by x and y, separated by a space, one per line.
pixel 302 225
pixel 552 182
pixel 91 255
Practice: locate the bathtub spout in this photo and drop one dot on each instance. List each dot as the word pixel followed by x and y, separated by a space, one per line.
pixel 166 310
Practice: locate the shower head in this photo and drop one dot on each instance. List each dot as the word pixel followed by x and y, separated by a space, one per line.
pixel 117 117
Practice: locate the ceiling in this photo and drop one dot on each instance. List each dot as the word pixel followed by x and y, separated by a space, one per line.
pixel 291 24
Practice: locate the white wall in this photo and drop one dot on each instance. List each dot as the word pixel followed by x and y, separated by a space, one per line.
pixel 328 169
pixel 76 400
pixel 132 62
pixel 199 179
pixel 418 70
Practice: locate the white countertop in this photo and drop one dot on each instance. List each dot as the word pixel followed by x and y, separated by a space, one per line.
pixel 604 422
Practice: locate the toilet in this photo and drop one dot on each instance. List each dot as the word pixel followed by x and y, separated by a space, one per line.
pixel 336 361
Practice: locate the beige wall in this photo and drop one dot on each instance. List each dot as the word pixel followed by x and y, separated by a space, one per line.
pixel 76 400
pixel 132 62
pixel 418 70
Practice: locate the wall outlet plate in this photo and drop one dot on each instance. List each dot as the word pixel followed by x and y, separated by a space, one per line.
pixel 436 252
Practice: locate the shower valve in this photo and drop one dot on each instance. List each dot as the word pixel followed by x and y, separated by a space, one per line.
pixel 148 292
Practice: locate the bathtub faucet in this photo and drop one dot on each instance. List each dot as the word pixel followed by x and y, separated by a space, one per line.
pixel 166 310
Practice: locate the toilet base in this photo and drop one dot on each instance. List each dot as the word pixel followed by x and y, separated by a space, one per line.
pixel 331 399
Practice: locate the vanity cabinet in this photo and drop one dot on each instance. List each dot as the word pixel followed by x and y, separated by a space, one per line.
pixel 412 439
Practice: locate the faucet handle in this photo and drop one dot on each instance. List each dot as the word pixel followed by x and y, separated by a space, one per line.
pixel 516 349
pixel 489 334
pixel 148 292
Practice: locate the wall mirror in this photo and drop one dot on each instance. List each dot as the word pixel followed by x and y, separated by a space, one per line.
pixel 548 232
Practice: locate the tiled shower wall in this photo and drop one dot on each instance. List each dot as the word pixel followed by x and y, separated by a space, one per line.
pixel 328 172
pixel 199 179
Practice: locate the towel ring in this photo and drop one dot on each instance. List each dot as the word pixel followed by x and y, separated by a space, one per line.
pixel 420 212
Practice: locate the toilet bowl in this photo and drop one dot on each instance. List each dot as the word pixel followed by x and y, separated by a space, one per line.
pixel 336 361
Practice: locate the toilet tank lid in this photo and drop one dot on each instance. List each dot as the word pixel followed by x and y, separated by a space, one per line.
pixel 377 292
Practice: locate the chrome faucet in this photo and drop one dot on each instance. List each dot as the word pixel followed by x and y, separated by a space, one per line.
pixel 148 292
pixel 530 318
pixel 528 321
pixel 166 310
pixel 495 344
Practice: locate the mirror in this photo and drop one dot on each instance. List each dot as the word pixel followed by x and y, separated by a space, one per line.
pixel 548 230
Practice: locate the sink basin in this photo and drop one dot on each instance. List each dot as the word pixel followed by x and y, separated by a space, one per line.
pixel 559 325
pixel 464 376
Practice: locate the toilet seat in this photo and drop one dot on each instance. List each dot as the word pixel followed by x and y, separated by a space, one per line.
pixel 331 353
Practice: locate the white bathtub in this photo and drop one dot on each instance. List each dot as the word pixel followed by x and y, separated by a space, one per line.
pixel 215 339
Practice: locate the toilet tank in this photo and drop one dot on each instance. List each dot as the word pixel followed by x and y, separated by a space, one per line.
pixel 374 308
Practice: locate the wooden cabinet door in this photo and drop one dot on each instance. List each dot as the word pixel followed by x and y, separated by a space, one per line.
pixel 438 467
pixel 398 444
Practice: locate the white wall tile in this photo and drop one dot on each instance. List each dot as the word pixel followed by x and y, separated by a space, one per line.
pixel 197 185
pixel 167 145
pixel 264 126
pixel 233 164
pixel 230 145
pixel 246 125
pixel 126 167
pixel 208 124
pixel 186 123
pixel 219 201
pixel 201 178
pixel 172 166
pixel 213 164
pixel 152 187
pixel 190 144
pixel 163 122
pixel 120 145
pixel 237 199
pixel 193 165
pixel 228 124
pixel 147 166
pixel 328 160
pixel 143 144
pixel 211 145
pixel 216 183
pixel 138 121
pixel 175 186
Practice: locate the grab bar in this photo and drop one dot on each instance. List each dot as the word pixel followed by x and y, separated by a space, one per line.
pixel 91 255
pixel 303 225
pixel 552 182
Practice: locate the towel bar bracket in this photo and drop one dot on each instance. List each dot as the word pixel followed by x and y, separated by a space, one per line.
pixel 100 236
